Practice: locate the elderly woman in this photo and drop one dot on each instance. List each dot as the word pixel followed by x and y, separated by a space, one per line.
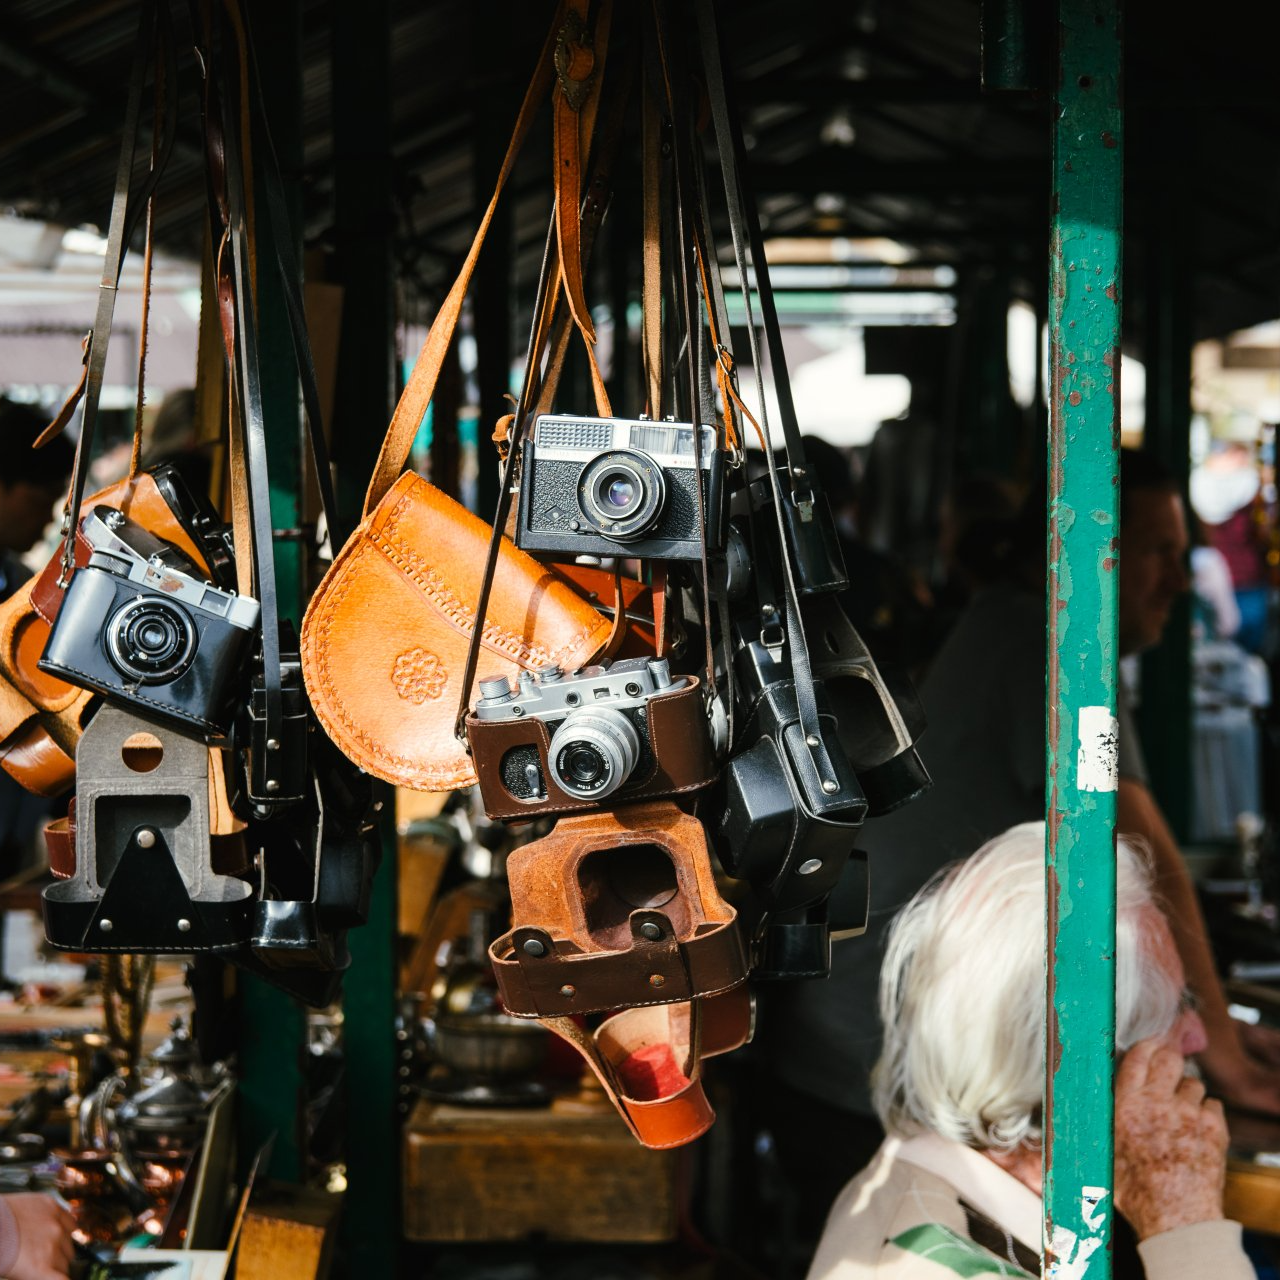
pixel 955 1189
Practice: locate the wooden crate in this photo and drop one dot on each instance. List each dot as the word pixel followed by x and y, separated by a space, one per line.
pixel 483 1174
pixel 288 1231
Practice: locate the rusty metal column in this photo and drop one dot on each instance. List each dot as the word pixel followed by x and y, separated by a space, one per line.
pixel 1084 301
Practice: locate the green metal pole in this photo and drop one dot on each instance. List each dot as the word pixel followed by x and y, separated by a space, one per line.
pixel 272 1089
pixel 1081 780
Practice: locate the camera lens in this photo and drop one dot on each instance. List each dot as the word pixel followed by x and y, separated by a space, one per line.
pixel 621 493
pixel 593 752
pixel 151 641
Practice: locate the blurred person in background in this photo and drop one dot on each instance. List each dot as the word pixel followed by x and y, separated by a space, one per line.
pixel 1225 493
pixel 33 483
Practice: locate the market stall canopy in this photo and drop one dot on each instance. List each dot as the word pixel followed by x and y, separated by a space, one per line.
pixel 865 119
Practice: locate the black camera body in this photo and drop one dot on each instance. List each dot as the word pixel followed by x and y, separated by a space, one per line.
pixel 620 487
pixel 614 733
pixel 142 628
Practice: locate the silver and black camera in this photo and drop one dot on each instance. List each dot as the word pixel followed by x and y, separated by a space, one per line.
pixel 620 487
pixel 141 627
pixel 556 743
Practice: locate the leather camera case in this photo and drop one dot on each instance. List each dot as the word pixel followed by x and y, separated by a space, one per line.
pixel 616 909
pixel 679 743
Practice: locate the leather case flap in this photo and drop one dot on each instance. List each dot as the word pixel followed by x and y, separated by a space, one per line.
pixel 384 640
pixel 140 499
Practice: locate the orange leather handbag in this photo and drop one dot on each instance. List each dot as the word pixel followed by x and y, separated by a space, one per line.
pixel 386 635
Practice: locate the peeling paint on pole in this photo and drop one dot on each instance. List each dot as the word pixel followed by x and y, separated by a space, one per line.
pixel 1084 301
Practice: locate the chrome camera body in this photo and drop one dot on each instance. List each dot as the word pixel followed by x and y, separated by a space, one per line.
pixel 620 487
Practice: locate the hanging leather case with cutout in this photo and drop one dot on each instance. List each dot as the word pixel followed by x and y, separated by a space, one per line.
pixel 616 909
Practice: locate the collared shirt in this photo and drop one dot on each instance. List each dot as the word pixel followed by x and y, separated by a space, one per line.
pixel 927 1208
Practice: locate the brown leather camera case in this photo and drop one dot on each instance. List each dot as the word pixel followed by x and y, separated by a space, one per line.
pixel 616 909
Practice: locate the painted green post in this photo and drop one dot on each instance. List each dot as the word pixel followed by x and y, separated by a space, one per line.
pixel 1084 300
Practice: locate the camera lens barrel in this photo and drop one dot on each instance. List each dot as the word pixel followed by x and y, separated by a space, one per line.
pixel 150 640
pixel 621 493
pixel 593 752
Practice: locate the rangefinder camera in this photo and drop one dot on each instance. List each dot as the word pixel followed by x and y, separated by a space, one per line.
pixel 620 487
pixel 141 627
pixel 560 742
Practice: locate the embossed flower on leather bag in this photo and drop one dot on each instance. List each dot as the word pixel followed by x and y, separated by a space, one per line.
pixel 418 675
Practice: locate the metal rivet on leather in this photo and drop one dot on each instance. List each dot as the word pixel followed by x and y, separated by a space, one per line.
pixel 532 947
pixel 568 991
pixel 651 931
pixel 808 868
pixel 146 838
pixel 657 980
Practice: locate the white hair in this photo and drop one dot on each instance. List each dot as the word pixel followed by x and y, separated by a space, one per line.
pixel 962 993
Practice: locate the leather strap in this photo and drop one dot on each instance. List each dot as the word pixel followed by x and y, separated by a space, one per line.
pixel 249 388
pixel 153 42
pixel 421 386
pixel 673 84
pixel 595 206
pixel 651 288
pixel 579 59
pixel 290 274
pixel 729 145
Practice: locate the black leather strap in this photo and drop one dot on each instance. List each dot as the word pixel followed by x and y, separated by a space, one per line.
pixel 685 195
pixel 252 421
pixel 124 216
pixel 290 274
pixel 742 214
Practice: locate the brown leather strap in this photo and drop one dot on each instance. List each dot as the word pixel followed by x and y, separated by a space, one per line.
pixel 651 294
pixel 539 975
pixel 576 69
pixel 421 386
pixel 64 415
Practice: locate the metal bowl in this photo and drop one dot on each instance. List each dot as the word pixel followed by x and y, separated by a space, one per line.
pixel 488 1045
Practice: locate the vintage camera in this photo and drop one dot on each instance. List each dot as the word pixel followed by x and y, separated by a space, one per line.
pixel 557 743
pixel 141 628
pixel 619 487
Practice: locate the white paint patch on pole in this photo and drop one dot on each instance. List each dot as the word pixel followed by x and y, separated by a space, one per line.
pixel 1099 754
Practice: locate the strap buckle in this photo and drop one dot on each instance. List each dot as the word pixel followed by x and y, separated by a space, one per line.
pixel 568 60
